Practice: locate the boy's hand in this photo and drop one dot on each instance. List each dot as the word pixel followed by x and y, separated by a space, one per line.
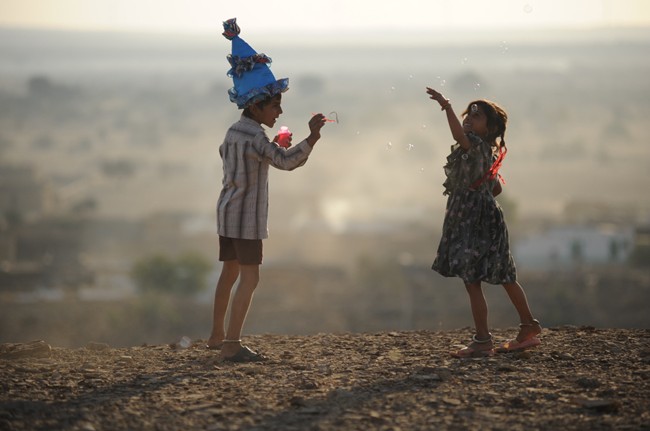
pixel 315 124
pixel 286 143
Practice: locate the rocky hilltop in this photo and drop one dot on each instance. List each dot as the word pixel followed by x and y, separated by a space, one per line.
pixel 580 378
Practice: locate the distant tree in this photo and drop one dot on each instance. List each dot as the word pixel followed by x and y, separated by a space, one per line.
pixel 191 271
pixel 577 252
pixel 5 143
pixel 616 131
pixel 640 256
pixel 120 168
pixel 43 142
pixel 154 273
pixel 613 250
pixel 310 84
pixel 13 218
pixel 84 206
pixel 469 83
pixel 160 274
pixel 39 86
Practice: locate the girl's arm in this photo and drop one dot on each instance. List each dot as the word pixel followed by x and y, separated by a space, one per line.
pixel 455 126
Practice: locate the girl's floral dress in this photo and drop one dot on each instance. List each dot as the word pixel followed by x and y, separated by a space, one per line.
pixel 474 244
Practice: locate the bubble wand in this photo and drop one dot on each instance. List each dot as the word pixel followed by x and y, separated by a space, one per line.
pixel 330 120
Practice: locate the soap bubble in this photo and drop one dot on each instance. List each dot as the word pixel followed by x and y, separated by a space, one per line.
pixel 477 86
pixel 504 47
pixel 528 8
pixel 389 145
pixel 474 107
pixel 410 147
pixel 464 60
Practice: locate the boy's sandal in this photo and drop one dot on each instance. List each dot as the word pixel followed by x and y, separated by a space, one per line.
pixel 472 352
pixel 220 344
pixel 245 355
pixel 217 346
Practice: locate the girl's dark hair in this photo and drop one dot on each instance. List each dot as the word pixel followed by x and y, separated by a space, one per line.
pixel 496 119
pixel 261 104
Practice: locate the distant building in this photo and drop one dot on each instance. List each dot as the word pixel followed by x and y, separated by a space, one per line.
pixel 43 254
pixel 22 193
pixel 569 246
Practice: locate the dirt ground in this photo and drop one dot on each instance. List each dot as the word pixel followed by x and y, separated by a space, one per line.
pixel 579 378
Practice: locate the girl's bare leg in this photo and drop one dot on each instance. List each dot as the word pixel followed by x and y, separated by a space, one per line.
pixel 480 314
pixel 530 327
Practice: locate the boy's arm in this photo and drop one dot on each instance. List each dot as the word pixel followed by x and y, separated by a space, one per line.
pixel 280 158
pixel 295 156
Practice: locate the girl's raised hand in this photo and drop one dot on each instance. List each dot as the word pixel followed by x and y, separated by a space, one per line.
pixel 438 97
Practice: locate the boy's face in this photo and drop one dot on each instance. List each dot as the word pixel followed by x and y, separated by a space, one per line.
pixel 268 114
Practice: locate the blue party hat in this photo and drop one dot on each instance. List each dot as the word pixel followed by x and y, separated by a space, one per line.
pixel 249 71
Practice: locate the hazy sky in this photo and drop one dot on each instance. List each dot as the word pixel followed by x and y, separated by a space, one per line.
pixel 200 16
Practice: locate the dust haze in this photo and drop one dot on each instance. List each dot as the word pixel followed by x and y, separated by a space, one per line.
pixel 116 137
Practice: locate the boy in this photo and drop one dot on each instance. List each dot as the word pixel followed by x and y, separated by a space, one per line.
pixel 242 208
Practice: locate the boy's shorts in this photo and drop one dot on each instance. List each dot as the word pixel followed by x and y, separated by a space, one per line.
pixel 245 251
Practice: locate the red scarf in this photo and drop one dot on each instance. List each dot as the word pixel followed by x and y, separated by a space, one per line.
pixel 493 172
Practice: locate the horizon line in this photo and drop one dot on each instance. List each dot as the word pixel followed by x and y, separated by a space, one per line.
pixel 339 32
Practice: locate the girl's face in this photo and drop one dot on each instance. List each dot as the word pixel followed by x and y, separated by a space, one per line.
pixel 476 121
pixel 269 113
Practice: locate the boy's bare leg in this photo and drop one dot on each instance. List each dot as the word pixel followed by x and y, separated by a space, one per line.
pixel 480 314
pixel 229 274
pixel 249 277
pixel 518 297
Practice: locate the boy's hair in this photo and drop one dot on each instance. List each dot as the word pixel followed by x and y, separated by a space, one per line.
pixel 496 119
pixel 260 104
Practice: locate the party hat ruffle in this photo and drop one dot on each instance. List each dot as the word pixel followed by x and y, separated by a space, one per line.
pixel 258 94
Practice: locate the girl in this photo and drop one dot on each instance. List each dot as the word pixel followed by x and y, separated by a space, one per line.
pixel 474 244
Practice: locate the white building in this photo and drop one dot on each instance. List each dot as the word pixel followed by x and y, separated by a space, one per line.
pixel 567 246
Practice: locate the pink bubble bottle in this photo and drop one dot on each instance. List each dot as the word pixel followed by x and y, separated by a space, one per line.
pixel 283 137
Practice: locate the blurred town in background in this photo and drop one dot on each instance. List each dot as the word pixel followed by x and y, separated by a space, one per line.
pixel 109 174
